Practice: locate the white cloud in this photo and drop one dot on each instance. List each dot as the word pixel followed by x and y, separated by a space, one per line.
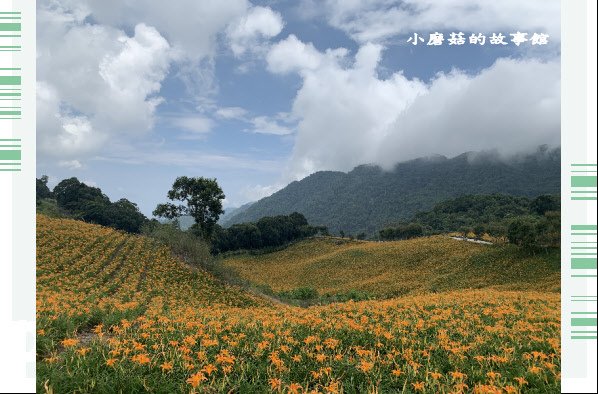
pixel 59 133
pixel 190 159
pixel 293 55
pixel 348 115
pixel 231 113
pixel 99 82
pixel 257 192
pixel 376 20
pixel 70 164
pixel 197 125
pixel 258 24
pixel 192 27
pixel 267 125
pixel 512 106
pixel 95 82
pixel 139 66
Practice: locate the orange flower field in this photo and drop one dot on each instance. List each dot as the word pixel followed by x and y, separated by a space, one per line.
pixel 118 313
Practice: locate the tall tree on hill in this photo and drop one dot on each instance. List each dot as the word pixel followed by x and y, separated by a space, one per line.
pixel 202 200
pixel 84 201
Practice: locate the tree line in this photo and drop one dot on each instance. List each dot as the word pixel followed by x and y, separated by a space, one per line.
pixel 80 201
pixel 528 223
pixel 269 231
pixel 201 198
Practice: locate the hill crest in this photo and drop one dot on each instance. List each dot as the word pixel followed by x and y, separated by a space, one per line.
pixel 368 198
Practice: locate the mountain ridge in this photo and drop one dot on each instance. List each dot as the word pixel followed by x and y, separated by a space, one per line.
pixel 368 198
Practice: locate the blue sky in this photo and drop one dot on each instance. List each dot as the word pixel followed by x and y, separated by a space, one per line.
pixel 132 94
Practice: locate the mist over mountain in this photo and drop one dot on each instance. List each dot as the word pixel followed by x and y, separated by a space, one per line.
pixel 369 198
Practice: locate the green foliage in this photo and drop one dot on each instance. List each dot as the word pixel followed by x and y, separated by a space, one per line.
pixel 184 244
pixel 41 188
pixel 267 232
pixel 523 221
pixel 368 198
pixel 497 230
pixel 88 203
pixel 49 207
pixel 534 232
pixel 124 215
pixel 479 230
pixel 301 293
pixel 79 198
pixel 466 212
pixel 201 198
pixel 546 203
pixel 403 231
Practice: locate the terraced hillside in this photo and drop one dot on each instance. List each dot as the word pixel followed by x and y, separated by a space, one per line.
pixel 383 269
pixel 118 313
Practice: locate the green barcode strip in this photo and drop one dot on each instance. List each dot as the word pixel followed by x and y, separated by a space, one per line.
pixel 6 80
pixel 583 253
pixel 583 181
pixel 579 263
pixel 584 187
pixel 584 322
pixel 14 155
pixel 10 27
pixel 10 89
pixel 10 112
pixel 584 227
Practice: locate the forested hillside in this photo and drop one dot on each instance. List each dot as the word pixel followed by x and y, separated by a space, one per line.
pixel 368 198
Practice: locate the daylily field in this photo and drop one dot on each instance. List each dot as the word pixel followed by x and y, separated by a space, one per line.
pixel 119 313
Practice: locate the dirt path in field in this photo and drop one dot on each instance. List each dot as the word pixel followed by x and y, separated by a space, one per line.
pixel 250 290
pixel 267 297
pixel 477 241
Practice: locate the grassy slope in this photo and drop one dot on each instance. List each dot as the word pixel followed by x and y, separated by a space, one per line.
pixel 88 274
pixel 395 268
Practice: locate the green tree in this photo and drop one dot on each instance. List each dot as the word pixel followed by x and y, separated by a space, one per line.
pixel 546 203
pixel 479 230
pixel 497 230
pixel 201 199
pixel 41 188
pixel 84 201
pixel 124 215
pixel 549 230
pixel 523 232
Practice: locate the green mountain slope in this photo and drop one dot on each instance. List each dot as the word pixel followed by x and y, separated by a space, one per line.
pixel 368 198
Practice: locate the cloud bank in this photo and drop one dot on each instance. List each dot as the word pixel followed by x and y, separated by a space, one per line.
pixel 380 20
pixel 348 115
pixel 102 64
